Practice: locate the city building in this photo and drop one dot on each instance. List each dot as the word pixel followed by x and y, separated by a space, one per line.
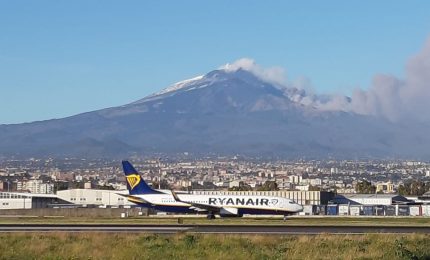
pixel 37 186
pixel 387 187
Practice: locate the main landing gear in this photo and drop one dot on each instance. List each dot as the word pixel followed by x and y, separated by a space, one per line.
pixel 211 215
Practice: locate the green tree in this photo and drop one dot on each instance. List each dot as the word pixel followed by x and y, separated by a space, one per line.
pixel 163 184
pixel 242 187
pixel 61 185
pixel 76 185
pixel 268 186
pixel 416 188
pixel 314 188
pixel 365 187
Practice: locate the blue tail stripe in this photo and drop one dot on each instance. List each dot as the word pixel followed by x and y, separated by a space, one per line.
pixel 136 184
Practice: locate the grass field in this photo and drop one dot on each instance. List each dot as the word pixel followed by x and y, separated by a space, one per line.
pixel 186 246
pixel 311 221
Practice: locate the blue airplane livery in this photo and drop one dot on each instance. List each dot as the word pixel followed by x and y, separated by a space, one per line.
pixel 143 195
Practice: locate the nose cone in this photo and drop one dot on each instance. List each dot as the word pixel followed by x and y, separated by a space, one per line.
pixel 299 208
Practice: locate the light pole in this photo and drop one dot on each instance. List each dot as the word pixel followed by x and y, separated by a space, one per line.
pixel 159 173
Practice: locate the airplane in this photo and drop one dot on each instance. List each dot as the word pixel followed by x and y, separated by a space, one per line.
pixel 143 195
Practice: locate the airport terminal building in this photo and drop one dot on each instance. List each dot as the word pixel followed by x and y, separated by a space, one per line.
pixel 376 205
pixel 96 198
pixel 20 200
pixel 370 199
pixel 65 199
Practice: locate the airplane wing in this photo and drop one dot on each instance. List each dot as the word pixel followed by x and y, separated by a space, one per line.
pixel 197 206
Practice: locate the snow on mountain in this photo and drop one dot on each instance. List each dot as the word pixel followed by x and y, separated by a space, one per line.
pixel 177 86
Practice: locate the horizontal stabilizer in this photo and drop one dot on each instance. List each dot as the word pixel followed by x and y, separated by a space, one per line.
pixel 134 199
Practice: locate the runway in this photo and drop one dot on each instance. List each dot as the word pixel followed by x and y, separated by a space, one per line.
pixel 213 229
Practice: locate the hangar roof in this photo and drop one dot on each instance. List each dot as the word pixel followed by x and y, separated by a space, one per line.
pixel 370 199
pixel 28 195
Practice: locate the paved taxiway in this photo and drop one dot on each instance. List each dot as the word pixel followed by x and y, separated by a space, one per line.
pixel 212 229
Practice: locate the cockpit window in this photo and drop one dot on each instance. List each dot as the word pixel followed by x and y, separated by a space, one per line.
pixel 291 202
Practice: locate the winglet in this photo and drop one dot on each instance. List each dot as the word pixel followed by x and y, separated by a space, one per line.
pixel 175 196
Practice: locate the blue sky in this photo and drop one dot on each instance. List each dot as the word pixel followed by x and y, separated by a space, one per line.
pixel 60 58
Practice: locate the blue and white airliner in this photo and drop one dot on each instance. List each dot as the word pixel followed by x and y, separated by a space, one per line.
pixel 223 205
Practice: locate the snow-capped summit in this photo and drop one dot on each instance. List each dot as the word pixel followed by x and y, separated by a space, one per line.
pixel 249 78
pixel 241 68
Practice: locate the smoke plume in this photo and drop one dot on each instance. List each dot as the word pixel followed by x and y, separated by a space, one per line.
pixel 388 96
pixel 395 98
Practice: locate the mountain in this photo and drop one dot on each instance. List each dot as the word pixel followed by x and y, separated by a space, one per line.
pixel 223 112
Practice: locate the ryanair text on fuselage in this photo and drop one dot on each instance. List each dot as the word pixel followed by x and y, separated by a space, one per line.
pixel 241 201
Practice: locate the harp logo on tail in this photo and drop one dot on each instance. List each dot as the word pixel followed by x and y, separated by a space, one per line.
pixel 133 180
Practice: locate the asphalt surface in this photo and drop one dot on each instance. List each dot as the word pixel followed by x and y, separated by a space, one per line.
pixel 213 229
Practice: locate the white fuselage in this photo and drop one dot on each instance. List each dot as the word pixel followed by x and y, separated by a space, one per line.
pixel 227 204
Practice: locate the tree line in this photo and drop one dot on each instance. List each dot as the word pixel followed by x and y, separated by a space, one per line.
pixel 412 188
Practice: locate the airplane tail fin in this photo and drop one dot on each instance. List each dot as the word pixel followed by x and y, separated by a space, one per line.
pixel 135 183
